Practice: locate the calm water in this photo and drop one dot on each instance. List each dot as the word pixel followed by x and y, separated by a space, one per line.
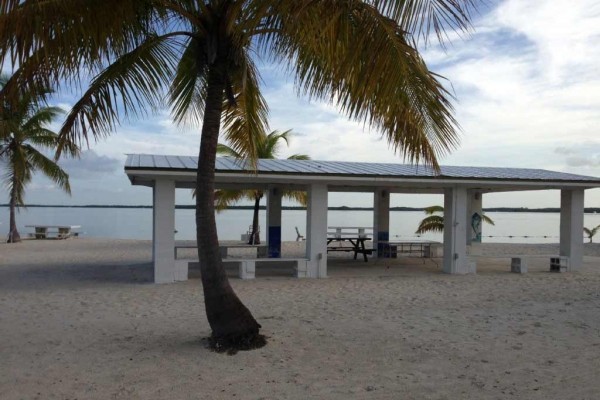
pixel 136 223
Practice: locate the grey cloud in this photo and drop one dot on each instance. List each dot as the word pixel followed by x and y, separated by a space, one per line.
pixel 90 163
pixel 581 161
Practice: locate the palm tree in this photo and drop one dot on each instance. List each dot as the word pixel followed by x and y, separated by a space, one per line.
pixel 435 222
pixel 23 122
pixel 359 55
pixel 266 148
pixel 591 232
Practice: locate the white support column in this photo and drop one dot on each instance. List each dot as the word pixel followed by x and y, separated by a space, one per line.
pixel 381 219
pixel 274 222
pixel 455 227
pixel 571 227
pixel 163 231
pixel 474 217
pixel 316 231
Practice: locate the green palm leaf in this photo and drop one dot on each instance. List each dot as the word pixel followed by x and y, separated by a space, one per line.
pixel 433 223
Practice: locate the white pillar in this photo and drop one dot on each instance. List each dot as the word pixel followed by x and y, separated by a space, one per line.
pixel 274 222
pixel 316 231
pixel 474 217
pixel 455 227
pixel 571 227
pixel 163 231
pixel 381 219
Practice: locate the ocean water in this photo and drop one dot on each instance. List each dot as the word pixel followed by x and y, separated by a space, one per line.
pixel 136 223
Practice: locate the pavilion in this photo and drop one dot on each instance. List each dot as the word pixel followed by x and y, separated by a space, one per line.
pixel 462 188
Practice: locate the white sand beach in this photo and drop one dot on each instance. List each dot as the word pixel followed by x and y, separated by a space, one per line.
pixel 80 320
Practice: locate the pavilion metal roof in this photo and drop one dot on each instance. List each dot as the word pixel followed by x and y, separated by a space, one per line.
pixel 224 165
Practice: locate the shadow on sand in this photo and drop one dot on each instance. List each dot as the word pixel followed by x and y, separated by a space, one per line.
pixel 53 276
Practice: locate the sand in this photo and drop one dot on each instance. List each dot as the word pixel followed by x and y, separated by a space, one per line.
pixel 80 320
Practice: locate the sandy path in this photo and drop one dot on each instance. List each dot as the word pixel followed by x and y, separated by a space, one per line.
pixel 79 320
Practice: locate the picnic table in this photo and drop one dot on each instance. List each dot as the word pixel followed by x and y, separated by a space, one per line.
pixel 47 231
pixel 357 245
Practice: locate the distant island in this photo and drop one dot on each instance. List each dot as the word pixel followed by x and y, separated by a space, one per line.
pixel 590 210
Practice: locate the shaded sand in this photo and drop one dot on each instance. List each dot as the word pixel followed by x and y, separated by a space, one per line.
pixel 79 319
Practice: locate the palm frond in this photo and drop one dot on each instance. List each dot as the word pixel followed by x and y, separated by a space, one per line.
pixel 343 62
pixel 246 122
pixel 188 88
pixel 423 17
pixel 224 150
pixel 269 145
pixel 89 31
pixel 41 117
pixel 433 223
pixel 433 209
pixel 297 196
pixel 226 198
pixel 136 79
pixel 299 157
pixel 487 219
pixel 48 167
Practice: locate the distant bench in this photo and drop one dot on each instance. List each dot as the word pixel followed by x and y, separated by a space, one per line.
pixel 519 263
pixel 261 249
pixel 53 231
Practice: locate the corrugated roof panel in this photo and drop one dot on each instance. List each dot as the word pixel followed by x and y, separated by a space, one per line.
pixel 162 161
pixel 133 161
pixel 147 161
pixel 314 167
pixel 176 162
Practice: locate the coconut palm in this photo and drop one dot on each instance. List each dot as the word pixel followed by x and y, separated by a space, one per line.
pixel 358 55
pixel 435 222
pixel 267 147
pixel 23 132
pixel 591 232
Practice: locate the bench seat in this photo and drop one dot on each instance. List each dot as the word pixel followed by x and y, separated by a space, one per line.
pixel 261 249
pixel 519 262
pixel 247 266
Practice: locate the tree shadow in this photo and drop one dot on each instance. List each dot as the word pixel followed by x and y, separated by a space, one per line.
pixel 54 276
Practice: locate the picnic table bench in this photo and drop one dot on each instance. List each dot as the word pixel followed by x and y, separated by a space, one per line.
pixel 57 231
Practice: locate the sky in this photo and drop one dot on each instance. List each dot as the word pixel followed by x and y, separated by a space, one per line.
pixel 527 87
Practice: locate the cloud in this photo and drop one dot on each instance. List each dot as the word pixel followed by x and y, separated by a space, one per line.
pixel 90 163
pixel 581 155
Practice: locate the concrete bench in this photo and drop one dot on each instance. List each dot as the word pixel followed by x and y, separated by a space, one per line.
pixel 261 249
pixel 519 263
pixel 247 266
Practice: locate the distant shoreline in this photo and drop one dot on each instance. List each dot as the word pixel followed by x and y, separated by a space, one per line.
pixel 590 210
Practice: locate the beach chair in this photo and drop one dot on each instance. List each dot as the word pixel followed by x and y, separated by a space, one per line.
pixel 299 237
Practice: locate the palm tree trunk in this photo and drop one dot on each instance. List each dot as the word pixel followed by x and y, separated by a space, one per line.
pixel 13 233
pixel 231 322
pixel 255 234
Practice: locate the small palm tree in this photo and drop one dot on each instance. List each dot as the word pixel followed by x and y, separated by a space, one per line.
pixel 267 147
pixel 23 125
pixel 591 232
pixel 435 222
